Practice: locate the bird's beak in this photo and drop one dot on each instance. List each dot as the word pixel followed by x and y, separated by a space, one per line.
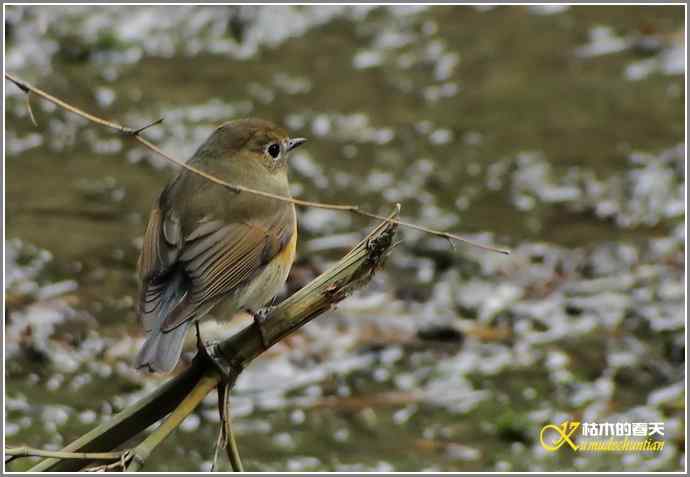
pixel 294 143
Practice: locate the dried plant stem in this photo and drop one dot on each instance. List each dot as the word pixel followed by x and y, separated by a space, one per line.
pixel 136 134
pixel 129 422
pixel 142 451
pixel 180 395
pixel 216 451
pixel 228 435
pixel 18 452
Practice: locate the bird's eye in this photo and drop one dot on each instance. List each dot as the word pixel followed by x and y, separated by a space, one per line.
pixel 274 150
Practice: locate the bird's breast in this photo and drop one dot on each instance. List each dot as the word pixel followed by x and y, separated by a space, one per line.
pixel 271 279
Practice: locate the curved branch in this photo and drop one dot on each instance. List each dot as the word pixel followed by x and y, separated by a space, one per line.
pixel 19 452
pixel 235 353
pixel 135 133
pixel 129 422
pixel 142 452
pixel 227 436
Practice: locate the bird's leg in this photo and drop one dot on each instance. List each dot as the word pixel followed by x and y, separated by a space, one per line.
pixel 200 345
pixel 228 370
pixel 199 342
pixel 259 319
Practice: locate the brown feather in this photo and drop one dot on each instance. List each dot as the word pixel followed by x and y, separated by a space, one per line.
pixel 221 261
pixel 148 260
pixel 204 244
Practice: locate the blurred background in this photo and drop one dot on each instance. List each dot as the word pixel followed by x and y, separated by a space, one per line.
pixel 557 131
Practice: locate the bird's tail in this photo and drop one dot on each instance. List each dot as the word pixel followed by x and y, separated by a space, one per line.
pixel 162 349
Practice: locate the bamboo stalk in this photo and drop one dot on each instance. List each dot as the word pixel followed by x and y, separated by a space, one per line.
pixel 19 452
pixel 186 407
pixel 235 353
pixel 127 423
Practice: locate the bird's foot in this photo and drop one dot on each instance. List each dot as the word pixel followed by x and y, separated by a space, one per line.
pixel 228 370
pixel 260 317
pixel 200 345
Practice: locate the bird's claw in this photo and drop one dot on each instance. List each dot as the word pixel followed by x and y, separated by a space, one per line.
pixel 227 370
pixel 259 320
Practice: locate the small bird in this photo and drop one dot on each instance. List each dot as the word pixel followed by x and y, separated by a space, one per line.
pixel 209 248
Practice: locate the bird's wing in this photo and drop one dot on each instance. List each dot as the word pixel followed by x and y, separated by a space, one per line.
pixel 218 257
pixel 159 254
pixel 161 243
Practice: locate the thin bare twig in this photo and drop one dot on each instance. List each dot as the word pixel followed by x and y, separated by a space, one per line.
pixel 229 436
pixel 120 465
pixel 226 436
pixel 150 125
pixel 216 450
pixel 31 111
pixel 136 134
pixel 23 451
pixel 112 467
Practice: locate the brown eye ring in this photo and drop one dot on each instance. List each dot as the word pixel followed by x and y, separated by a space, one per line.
pixel 274 150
